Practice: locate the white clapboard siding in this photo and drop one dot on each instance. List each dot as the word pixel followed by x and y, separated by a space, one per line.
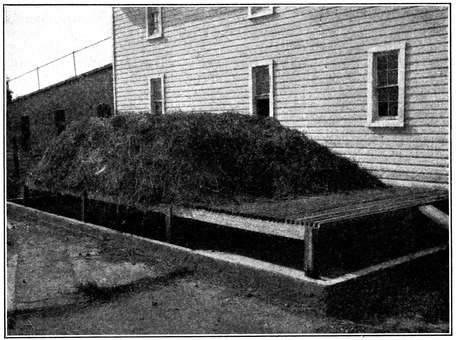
pixel 320 75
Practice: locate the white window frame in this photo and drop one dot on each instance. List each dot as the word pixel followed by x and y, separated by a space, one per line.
pixel 270 64
pixel 162 81
pixel 159 32
pixel 373 119
pixel 268 10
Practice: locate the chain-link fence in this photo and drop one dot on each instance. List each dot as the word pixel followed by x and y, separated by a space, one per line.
pixel 64 67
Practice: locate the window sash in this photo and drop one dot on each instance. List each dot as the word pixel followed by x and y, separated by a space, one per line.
pixel 386 85
pixel 261 87
pixel 259 11
pixel 153 22
pixel 156 93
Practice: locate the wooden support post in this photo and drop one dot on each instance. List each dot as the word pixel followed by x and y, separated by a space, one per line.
pixel 168 223
pixel 310 261
pixel 436 215
pixel 84 202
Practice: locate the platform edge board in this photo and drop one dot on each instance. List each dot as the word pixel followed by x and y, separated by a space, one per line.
pixel 294 231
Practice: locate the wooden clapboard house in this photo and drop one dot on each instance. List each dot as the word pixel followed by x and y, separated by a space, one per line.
pixel 370 82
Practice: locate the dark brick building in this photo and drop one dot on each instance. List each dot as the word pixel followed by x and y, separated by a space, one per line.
pixel 34 119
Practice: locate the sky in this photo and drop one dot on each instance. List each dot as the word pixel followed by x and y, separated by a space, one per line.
pixel 35 35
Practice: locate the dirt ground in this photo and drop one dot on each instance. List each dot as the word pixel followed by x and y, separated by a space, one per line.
pixel 60 283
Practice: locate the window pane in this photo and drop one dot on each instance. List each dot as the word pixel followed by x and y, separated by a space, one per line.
pixel 152 20
pixel 381 78
pixel 392 77
pixel 392 109
pixel 157 107
pixel 387 64
pixel 382 61
pixel 103 110
pixel 261 80
pixel 392 59
pixel 155 88
pixel 262 107
pixel 59 119
pixel 393 93
pixel 258 10
pixel 382 95
pixel 382 109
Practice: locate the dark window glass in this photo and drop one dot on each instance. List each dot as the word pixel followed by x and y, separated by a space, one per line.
pixel 103 110
pixel 382 94
pixel 263 107
pixel 393 94
pixel 382 78
pixel 392 109
pixel 258 9
pixel 387 83
pixel 25 132
pixel 392 59
pixel 392 77
pixel 383 108
pixel 59 120
pixel 261 90
pixel 156 95
pixel 261 74
pixel 152 20
pixel 157 107
pixel 156 88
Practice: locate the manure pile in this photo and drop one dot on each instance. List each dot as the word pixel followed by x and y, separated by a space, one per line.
pixel 189 158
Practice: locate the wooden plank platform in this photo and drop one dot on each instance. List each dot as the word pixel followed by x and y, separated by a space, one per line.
pixel 302 209
pixel 301 218
pixel 307 227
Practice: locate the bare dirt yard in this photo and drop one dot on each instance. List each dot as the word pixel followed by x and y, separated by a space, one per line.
pixel 60 283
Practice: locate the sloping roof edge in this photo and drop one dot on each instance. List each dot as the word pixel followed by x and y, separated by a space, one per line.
pixel 64 82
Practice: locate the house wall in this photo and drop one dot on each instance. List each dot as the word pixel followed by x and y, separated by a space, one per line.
pixel 77 96
pixel 320 75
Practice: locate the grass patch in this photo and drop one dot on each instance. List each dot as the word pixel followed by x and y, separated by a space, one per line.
pixel 192 158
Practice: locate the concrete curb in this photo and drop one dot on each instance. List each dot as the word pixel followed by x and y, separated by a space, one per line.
pixel 326 296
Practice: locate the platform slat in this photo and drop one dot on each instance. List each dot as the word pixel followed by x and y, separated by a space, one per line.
pixel 372 208
pixel 345 209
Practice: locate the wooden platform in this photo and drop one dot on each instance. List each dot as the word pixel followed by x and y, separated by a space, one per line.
pixel 303 218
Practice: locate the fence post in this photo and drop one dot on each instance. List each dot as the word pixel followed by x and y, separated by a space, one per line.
pixel 74 63
pixel 38 76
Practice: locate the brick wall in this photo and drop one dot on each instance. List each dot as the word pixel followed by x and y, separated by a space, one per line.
pixel 78 97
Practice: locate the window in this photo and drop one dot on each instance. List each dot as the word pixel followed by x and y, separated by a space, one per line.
pixel 157 95
pixel 103 110
pixel 153 22
pixel 25 132
pixel 386 85
pixel 256 12
pixel 59 121
pixel 261 89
